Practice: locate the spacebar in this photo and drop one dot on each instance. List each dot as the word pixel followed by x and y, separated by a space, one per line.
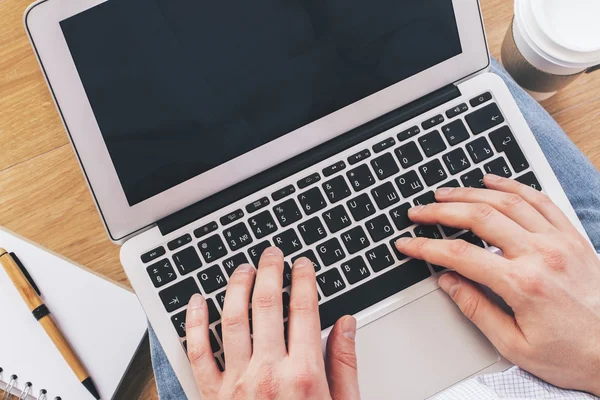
pixel 373 291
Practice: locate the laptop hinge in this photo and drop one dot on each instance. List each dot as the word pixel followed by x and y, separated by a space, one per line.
pixel 306 159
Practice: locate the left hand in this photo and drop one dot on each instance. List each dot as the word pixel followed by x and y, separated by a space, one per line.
pixel 265 368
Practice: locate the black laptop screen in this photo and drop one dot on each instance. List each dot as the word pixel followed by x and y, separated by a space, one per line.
pixel 179 87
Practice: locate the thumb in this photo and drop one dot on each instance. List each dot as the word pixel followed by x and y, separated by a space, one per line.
pixel 500 328
pixel 340 360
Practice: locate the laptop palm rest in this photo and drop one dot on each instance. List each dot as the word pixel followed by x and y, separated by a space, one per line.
pixel 419 350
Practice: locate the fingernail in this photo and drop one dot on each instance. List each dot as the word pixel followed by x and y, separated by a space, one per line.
pixel 493 178
pixel 271 251
pixel 403 241
pixel 245 268
pixel 302 262
pixel 349 328
pixel 449 284
pixel 197 302
pixel 416 209
pixel 444 191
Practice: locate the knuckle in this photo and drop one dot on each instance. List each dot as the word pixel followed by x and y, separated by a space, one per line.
pixel 469 305
pixel 302 305
pixel 481 212
pixel 267 386
pixel 198 354
pixel 303 273
pixel 239 391
pixel 234 321
pixel 421 244
pixel 265 301
pixel 459 247
pixel 532 283
pixel 540 199
pixel 555 256
pixel 194 323
pixel 305 382
pixel 511 200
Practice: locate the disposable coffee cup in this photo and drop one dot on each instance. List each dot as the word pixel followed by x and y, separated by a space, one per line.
pixel 551 43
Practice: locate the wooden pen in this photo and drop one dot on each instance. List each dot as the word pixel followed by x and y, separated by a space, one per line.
pixel 31 295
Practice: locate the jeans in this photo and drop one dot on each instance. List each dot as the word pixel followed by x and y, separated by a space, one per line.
pixel 578 177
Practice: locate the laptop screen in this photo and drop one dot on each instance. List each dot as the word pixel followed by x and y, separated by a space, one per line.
pixel 179 87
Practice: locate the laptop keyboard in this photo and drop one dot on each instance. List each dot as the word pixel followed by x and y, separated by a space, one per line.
pixel 345 218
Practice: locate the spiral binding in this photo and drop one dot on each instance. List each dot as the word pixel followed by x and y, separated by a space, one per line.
pixel 27 390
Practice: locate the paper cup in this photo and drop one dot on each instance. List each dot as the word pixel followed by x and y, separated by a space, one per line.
pixel 551 43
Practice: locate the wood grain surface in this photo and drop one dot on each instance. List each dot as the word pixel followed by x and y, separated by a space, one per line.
pixel 43 195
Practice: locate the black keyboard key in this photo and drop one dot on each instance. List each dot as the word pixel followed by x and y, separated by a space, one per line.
pixel 386 144
pixel 459 109
pixel 336 219
pixel 178 321
pixel 309 180
pixel 456 161
pixel 187 260
pixel 312 201
pixel 361 207
pixel 256 251
pixel 360 177
pixel 379 258
pixel 181 241
pixel 385 166
pixel 480 150
pixel 428 231
pixel 219 330
pixel 178 295
pixel 479 100
pixel 312 231
pixel 373 291
pixel 409 184
pixel 379 228
pixel 433 121
pixel 472 238
pixel 385 195
pixel 332 169
pixel 485 118
pixel 529 179
pixel 257 205
pixel 455 132
pixel 213 313
pixel 262 224
pixel 355 240
pixel 153 254
pixel 287 212
pixel 237 236
pixel 230 264
pixel 161 273
pixel 473 179
pixel 331 282
pixel 288 242
pixel 355 270
pixel 283 192
pixel 206 229
pixel 214 344
pixel 336 189
pixel 448 231
pixel 220 297
pixel 409 155
pixel 231 217
pixel 212 248
pixel 505 142
pixel 358 157
pixel 425 199
pixel 212 279
pixel 498 167
pixel 285 302
pixel 287 274
pixel 433 172
pixel 399 256
pixel 331 252
pixel 451 184
pixel 311 256
pixel 502 138
pixel 410 132
pixel 400 218
pixel 432 144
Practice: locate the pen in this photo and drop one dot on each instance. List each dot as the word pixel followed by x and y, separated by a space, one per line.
pixel 31 295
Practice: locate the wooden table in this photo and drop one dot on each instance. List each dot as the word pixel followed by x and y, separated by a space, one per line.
pixel 43 195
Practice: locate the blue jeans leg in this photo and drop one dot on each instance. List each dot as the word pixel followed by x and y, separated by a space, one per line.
pixel 577 175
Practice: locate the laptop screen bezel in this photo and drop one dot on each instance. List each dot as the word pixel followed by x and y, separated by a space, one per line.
pixel 122 220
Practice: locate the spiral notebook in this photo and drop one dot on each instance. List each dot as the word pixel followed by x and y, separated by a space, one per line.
pixel 103 322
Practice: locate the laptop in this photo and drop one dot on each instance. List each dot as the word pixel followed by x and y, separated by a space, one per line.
pixel 208 131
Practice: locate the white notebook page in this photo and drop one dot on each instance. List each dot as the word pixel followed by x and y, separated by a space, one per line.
pixel 104 324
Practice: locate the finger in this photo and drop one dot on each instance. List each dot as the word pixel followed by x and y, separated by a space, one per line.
pixel 304 324
pixel 207 374
pixel 484 220
pixel 267 305
pixel 500 328
pixel 236 327
pixel 468 260
pixel 510 204
pixel 341 363
pixel 538 200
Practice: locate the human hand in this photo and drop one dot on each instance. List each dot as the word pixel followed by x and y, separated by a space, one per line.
pixel 549 276
pixel 263 368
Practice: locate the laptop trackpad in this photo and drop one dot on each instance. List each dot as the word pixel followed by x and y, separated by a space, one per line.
pixel 419 350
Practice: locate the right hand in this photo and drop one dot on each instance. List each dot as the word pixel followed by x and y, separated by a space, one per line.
pixel 549 275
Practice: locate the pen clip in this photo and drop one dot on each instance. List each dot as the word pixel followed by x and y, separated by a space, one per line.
pixel 26 273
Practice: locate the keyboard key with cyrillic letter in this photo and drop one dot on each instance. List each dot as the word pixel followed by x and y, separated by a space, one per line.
pixel 212 279
pixel 331 282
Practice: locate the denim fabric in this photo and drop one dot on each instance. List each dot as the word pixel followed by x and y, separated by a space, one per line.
pixel 577 175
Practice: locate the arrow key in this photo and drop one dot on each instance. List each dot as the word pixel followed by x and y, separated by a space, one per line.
pixel 179 295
